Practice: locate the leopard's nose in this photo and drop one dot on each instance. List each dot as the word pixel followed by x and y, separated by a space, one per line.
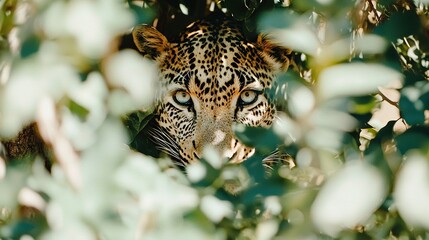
pixel 214 138
pixel 219 137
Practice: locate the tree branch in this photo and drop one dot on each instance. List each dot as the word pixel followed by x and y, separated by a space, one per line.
pixel 385 98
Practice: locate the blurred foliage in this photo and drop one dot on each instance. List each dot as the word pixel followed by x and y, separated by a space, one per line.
pixel 350 175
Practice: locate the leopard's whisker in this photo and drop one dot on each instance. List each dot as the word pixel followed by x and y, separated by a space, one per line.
pixel 164 142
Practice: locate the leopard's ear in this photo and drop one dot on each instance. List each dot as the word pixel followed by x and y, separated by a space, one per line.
pixel 277 55
pixel 149 41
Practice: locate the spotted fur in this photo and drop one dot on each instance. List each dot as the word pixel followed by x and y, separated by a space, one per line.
pixel 215 67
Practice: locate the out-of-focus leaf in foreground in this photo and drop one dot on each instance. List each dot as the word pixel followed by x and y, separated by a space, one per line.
pixel 355 79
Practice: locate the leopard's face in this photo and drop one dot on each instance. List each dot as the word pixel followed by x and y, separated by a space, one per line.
pixel 211 79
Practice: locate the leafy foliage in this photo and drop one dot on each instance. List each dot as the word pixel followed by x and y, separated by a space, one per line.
pixel 351 171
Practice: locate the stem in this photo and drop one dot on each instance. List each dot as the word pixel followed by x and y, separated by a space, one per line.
pixel 385 98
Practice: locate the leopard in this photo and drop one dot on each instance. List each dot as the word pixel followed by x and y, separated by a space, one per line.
pixel 211 78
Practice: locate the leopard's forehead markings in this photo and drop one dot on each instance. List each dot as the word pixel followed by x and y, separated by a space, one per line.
pixel 214 55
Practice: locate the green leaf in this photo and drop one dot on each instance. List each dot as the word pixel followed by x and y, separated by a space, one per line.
pixel 412 78
pixel 327 7
pixel 263 139
pixel 34 227
pixel 399 25
pixel 78 109
pixel 362 104
pixel 260 191
pixel 374 153
pixel 143 15
pixel 361 109
pixel 424 98
pixel 255 168
pixel 278 18
pixel 411 105
pixel 30 46
pixel 135 122
pixel 241 9
pixel 416 137
pixel 386 2
pixel 138 124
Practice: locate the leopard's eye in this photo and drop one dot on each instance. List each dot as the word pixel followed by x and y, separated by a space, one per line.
pixel 183 98
pixel 248 97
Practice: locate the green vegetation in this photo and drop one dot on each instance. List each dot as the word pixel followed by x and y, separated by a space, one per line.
pixel 357 174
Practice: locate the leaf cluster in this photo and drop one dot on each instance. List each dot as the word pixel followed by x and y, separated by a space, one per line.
pixel 348 157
